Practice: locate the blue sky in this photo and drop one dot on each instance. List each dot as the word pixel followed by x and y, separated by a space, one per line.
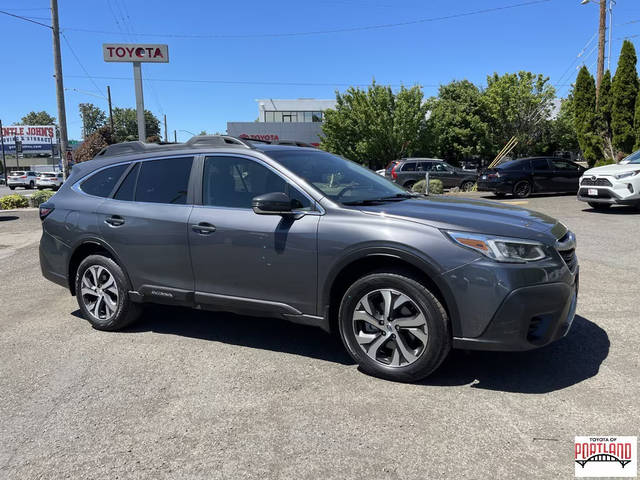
pixel 544 38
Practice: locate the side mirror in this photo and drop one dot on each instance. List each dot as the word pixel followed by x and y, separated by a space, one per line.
pixel 274 203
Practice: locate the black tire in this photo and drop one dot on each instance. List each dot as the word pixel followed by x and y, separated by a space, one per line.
pixel 522 189
pixel 126 311
pixel 31 185
pixel 12 188
pixel 499 194
pixel 438 343
pixel 409 185
pixel 599 206
pixel 466 186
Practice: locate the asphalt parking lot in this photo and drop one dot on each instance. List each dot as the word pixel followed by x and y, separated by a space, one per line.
pixel 187 394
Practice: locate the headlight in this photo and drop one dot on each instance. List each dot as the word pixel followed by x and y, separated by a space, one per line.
pixel 501 249
pixel 627 174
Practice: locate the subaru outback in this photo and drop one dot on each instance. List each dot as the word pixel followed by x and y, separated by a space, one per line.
pixel 223 224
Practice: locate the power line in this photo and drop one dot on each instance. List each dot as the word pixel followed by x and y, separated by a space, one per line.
pixel 323 32
pixel 252 82
pixel 82 66
pixel 25 19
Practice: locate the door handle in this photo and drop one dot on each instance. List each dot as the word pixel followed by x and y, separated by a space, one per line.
pixel 203 228
pixel 114 220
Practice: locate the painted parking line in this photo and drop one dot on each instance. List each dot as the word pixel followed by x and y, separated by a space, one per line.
pixel 517 202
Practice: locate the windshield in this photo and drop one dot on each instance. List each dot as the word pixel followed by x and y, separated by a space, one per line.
pixel 341 180
pixel 633 158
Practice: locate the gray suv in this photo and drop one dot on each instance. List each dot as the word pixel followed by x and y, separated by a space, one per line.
pixel 408 171
pixel 224 224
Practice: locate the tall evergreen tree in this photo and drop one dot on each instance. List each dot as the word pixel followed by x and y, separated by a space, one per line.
pixel 624 91
pixel 605 105
pixel 636 124
pixel 584 104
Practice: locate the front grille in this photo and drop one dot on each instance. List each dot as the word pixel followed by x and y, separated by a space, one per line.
pixel 600 182
pixel 567 250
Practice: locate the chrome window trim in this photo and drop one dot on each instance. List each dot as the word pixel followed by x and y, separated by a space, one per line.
pixel 76 186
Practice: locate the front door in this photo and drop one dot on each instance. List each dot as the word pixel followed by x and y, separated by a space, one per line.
pixel 566 175
pixel 243 260
pixel 444 173
pixel 146 224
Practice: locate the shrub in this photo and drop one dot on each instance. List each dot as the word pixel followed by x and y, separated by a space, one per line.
pixel 435 186
pixel 40 196
pixel 12 201
pixel 604 161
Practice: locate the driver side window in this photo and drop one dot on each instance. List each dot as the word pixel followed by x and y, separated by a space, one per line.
pixel 235 181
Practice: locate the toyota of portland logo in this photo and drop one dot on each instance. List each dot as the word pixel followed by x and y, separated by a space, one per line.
pixel 605 456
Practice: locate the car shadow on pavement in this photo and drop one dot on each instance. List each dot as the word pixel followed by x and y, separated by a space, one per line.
pixel 255 332
pixel 615 210
pixel 562 364
pixel 6 218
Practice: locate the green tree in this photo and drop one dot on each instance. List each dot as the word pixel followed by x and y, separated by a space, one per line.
pixel 375 126
pixel 624 91
pixel 125 124
pixel 584 95
pixel 92 118
pixel 603 115
pixel 456 125
pixel 518 104
pixel 636 124
pixel 563 136
pixel 37 118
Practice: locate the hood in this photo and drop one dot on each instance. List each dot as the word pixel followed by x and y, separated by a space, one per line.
pixel 613 169
pixel 479 216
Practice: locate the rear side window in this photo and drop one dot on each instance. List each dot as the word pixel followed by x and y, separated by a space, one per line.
pixel 512 165
pixel 409 167
pixel 127 188
pixel 540 164
pixel 101 184
pixel 164 181
pixel 562 165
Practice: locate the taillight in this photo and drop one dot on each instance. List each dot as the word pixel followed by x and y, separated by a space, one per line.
pixel 45 209
pixel 24 176
pixel 394 174
pixel 494 175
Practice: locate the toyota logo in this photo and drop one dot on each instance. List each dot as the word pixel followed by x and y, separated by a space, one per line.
pixel 593 178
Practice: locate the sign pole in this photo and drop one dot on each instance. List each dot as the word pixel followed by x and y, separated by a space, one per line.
pixel 15 142
pixel 137 78
pixel 4 161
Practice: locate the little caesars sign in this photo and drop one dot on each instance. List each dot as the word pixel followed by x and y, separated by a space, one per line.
pixel 136 53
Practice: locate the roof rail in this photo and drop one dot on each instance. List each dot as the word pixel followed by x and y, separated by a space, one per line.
pixel 197 141
pixel 215 140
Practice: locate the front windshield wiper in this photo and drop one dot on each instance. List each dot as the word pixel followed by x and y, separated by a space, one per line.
pixel 392 198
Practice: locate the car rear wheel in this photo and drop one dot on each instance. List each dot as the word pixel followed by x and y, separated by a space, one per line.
pixel 12 188
pixel 31 185
pixel 409 185
pixel 467 186
pixel 522 189
pixel 599 206
pixel 102 292
pixel 394 327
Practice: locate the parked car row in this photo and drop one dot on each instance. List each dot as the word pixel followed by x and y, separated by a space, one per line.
pixel 407 171
pixel 30 179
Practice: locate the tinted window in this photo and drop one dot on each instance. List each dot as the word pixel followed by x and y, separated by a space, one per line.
pixel 234 181
pixel 438 167
pixel 562 165
pixel 409 167
pixel 540 164
pixel 101 183
pixel 164 181
pixel 513 165
pixel 127 188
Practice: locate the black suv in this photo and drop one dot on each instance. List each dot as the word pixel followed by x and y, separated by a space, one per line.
pixel 408 171
pixel 297 233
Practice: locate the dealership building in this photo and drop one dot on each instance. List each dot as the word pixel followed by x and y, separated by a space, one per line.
pixel 295 119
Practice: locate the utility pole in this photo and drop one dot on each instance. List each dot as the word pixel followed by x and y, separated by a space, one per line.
pixel 601 42
pixel 175 136
pixel 4 161
pixel 166 135
pixel 57 63
pixel 110 110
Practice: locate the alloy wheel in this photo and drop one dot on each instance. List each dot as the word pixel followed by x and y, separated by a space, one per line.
pixel 390 327
pixel 522 189
pixel 99 292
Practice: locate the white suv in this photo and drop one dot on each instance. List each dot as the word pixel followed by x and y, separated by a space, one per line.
pixel 602 187
pixel 26 179
pixel 49 180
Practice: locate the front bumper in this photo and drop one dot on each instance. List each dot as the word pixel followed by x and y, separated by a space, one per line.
pixel 623 192
pixel 530 317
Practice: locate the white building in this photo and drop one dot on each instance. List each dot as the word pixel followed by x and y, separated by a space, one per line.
pixel 285 119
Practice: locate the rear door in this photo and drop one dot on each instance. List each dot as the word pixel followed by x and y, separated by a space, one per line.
pixel 145 222
pixel 542 175
pixel 407 173
pixel 566 175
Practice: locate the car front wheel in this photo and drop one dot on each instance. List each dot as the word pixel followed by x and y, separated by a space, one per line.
pixel 102 293
pixel 394 327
